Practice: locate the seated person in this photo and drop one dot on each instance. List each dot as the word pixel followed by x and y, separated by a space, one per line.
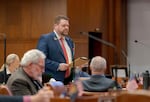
pixel 43 95
pixel 12 63
pixel 27 80
pixel 97 81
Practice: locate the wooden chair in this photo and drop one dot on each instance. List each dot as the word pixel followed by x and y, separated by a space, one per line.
pixel 103 96
pixel 107 99
pixel 134 96
pixel 4 90
pixel 87 99
pixel 122 74
pixel 58 99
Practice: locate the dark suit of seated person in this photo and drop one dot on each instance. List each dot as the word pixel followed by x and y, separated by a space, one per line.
pixel 43 95
pixel 97 81
pixel 12 63
pixel 27 80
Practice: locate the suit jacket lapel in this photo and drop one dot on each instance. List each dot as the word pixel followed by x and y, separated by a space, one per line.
pixel 56 40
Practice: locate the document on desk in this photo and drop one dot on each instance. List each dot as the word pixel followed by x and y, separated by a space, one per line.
pixel 79 61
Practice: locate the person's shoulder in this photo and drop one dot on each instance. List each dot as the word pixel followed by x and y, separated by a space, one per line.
pixel 18 73
pixel 48 35
pixel 69 39
pixel 18 76
pixel 1 72
pixel 108 79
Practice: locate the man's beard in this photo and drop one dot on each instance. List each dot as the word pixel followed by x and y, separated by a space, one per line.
pixel 37 76
pixel 64 34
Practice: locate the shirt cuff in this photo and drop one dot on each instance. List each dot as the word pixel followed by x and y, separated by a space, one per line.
pixel 58 69
pixel 26 99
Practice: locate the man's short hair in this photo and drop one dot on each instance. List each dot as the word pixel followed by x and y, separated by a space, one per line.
pixel 60 17
pixel 98 63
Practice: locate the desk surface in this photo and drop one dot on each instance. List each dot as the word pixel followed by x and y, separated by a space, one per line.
pixel 113 96
pixel 89 97
pixel 79 99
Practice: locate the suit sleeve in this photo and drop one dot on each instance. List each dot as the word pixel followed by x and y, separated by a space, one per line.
pixel 20 87
pixel 11 99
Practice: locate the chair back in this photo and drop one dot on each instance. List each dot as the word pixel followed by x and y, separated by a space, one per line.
pixel 4 90
pixel 134 96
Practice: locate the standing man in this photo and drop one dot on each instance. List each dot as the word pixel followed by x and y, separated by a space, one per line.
pixel 59 50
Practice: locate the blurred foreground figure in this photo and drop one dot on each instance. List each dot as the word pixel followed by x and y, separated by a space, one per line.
pixel 43 95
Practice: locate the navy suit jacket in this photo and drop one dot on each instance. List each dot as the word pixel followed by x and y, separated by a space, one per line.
pixel 3 76
pixel 11 98
pixel 49 44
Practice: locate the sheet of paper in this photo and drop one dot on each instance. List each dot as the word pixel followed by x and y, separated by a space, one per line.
pixel 79 61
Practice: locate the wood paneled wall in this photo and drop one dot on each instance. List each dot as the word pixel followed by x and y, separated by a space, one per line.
pixel 109 16
pixel 23 21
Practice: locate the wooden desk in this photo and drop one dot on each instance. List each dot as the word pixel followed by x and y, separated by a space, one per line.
pixel 79 99
pixel 134 96
pixel 57 99
pixel 91 97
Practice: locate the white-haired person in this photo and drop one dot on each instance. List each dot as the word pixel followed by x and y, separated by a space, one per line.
pixel 97 81
pixel 12 63
pixel 27 80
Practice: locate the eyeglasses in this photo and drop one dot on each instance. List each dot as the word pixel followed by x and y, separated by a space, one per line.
pixel 41 66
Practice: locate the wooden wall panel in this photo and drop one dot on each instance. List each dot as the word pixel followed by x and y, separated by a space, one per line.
pixel 23 21
pixel 26 20
pixel 85 15
pixel 43 14
pixel 108 16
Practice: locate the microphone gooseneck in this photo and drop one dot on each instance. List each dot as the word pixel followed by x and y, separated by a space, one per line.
pixel 125 55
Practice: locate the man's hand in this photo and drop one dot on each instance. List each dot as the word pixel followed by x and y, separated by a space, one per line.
pixel 63 66
pixel 43 95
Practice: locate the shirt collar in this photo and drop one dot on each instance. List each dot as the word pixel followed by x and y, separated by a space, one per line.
pixel 58 37
pixel 8 71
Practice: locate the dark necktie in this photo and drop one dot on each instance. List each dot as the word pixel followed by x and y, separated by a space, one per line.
pixel 37 84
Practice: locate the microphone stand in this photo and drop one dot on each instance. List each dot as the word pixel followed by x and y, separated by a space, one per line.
pixel 107 44
pixel 4 51
pixel 73 70
pixel 125 55
pixel 73 66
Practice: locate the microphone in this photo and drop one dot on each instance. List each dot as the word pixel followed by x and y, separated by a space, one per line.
pixel 136 41
pixel 3 35
pixel 99 40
